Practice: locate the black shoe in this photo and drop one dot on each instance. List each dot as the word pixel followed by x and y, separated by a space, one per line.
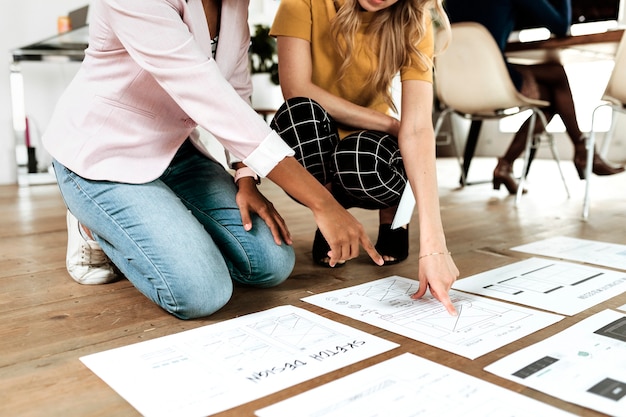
pixel 393 243
pixel 320 251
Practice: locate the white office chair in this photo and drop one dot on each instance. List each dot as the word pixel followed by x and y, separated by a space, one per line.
pixel 472 81
pixel 615 98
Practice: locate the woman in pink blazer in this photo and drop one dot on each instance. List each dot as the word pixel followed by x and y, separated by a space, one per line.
pixel 145 202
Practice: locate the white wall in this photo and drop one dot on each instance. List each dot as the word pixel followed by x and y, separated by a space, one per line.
pixel 29 21
pixel 262 11
pixel 24 22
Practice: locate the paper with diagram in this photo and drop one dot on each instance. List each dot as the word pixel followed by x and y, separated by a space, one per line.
pixel 482 325
pixel 561 287
pixel 584 364
pixel 407 386
pixel 611 255
pixel 213 368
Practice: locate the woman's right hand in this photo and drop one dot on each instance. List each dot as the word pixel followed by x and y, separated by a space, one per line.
pixel 341 230
pixel 344 235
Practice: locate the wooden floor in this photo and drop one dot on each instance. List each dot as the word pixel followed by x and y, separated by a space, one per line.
pixel 47 321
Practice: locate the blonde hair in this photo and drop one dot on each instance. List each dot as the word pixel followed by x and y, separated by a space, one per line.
pixel 398 30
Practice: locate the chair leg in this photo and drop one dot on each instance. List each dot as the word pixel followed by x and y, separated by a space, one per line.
pixel 531 157
pixel 459 160
pixel 470 146
pixel 555 156
pixel 590 145
pixel 529 144
pixel 438 124
pixel 604 150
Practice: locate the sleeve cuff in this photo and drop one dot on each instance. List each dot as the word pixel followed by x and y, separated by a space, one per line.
pixel 268 154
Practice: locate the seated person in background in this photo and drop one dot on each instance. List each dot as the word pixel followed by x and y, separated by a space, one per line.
pixel 337 60
pixel 546 81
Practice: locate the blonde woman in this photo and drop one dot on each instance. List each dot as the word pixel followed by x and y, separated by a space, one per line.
pixel 337 60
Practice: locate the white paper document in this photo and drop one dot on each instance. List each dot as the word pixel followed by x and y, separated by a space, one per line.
pixel 408 386
pixel 611 255
pixel 405 208
pixel 482 325
pixel 213 368
pixel 584 364
pixel 561 287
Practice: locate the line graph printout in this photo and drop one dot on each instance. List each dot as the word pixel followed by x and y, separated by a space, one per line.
pixel 482 325
pixel 561 287
pixel 407 386
pixel 611 255
pixel 213 368
pixel 584 364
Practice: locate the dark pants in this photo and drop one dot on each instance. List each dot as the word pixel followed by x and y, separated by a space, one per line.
pixel 365 168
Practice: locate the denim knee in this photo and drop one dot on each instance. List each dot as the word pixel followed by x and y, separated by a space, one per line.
pixel 264 272
pixel 199 302
pixel 271 268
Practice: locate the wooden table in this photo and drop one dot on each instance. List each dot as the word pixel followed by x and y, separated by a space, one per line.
pixel 569 49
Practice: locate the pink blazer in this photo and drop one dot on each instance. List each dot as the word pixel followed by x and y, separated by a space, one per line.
pixel 147 81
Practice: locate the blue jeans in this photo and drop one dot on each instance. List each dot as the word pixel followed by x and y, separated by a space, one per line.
pixel 179 239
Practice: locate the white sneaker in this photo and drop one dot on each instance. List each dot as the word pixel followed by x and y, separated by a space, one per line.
pixel 86 262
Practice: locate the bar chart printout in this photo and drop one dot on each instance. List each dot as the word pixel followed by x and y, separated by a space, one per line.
pixel 561 287
pixel 584 364
pixel 407 386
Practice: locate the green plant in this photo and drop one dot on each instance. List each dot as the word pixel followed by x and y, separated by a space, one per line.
pixel 263 57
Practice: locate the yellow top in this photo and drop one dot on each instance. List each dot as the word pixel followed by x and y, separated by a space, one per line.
pixel 310 20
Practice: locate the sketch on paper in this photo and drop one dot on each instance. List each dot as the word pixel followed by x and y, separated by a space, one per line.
pixel 480 326
pixel 213 368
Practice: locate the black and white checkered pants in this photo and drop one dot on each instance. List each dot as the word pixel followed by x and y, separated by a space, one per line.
pixel 365 168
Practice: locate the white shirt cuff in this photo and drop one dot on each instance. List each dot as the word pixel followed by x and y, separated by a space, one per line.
pixel 268 154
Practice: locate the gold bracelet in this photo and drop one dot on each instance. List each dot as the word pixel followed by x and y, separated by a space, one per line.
pixel 434 253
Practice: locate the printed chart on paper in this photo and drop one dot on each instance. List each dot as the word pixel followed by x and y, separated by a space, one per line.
pixel 557 286
pixel 584 364
pixel 216 367
pixel 482 325
pixel 410 386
